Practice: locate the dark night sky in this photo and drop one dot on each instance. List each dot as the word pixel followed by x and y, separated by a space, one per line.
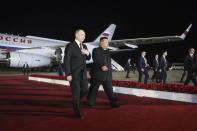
pixel 136 18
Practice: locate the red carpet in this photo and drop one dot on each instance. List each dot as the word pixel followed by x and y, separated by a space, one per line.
pixel 33 106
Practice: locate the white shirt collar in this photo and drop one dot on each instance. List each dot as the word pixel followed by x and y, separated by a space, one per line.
pixel 191 55
pixel 78 43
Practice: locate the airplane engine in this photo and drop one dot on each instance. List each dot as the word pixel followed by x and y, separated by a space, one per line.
pixel 18 59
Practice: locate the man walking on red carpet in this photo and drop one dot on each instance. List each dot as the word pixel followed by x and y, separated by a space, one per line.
pixel 101 74
pixel 190 67
pixel 75 57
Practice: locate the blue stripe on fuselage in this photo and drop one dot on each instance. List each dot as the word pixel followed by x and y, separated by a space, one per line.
pixel 10 48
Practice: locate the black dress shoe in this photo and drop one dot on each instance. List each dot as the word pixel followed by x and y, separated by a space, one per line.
pixel 115 99
pixel 91 106
pixel 115 105
pixel 78 116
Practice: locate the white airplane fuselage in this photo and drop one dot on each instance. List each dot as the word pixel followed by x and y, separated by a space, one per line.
pixel 35 52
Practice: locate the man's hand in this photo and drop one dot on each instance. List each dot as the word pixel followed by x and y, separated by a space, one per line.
pixel 104 68
pixel 147 65
pixel 85 52
pixel 69 78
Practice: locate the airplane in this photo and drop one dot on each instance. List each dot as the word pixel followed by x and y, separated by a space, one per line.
pixel 39 51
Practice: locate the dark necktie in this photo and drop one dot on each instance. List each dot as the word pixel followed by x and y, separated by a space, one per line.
pixel 81 46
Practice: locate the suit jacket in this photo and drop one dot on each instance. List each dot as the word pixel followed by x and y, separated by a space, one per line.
pixel 128 66
pixel 190 64
pixel 101 58
pixel 141 63
pixel 163 64
pixel 195 57
pixel 75 61
pixel 156 64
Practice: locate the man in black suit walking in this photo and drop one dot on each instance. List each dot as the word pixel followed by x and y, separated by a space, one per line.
pixel 143 67
pixel 190 67
pixel 25 69
pixel 128 67
pixel 155 69
pixel 75 57
pixel 195 57
pixel 183 74
pixel 101 74
pixel 163 64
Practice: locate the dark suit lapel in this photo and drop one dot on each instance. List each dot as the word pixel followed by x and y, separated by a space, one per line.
pixel 76 46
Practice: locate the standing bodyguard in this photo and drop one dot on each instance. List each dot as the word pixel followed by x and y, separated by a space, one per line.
pixel 143 67
pixel 163 65
pixel 190 67
pixel 155 69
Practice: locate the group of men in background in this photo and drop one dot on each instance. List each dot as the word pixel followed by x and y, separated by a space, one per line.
pixel 160 67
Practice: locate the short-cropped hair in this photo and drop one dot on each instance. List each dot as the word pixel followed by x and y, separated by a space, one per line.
pixel 190 49
pixel 79 30
pixel 102 38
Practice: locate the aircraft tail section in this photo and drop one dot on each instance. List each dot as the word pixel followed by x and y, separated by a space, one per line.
pixel 107 33
pixel 186 32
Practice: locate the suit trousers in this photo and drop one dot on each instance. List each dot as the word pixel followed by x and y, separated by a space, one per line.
pixel 155 76
pixel 79 89
pixel 191 76
pixel 145 72
pixel 163 76
pixel 93 90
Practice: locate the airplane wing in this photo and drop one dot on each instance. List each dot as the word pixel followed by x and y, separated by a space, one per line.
pixel 114 51
pixel 139 41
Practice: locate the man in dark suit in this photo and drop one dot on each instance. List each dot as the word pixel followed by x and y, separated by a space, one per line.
pixel 25 69
pixel 155 69
pixel 190 67
pixel 128 67
pixel 143 67
pixel 183 74
pixel 163 65
pixel 101 74
pixel 195 57
pixel 75 57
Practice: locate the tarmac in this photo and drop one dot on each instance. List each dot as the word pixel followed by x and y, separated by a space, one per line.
pixel 174 76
